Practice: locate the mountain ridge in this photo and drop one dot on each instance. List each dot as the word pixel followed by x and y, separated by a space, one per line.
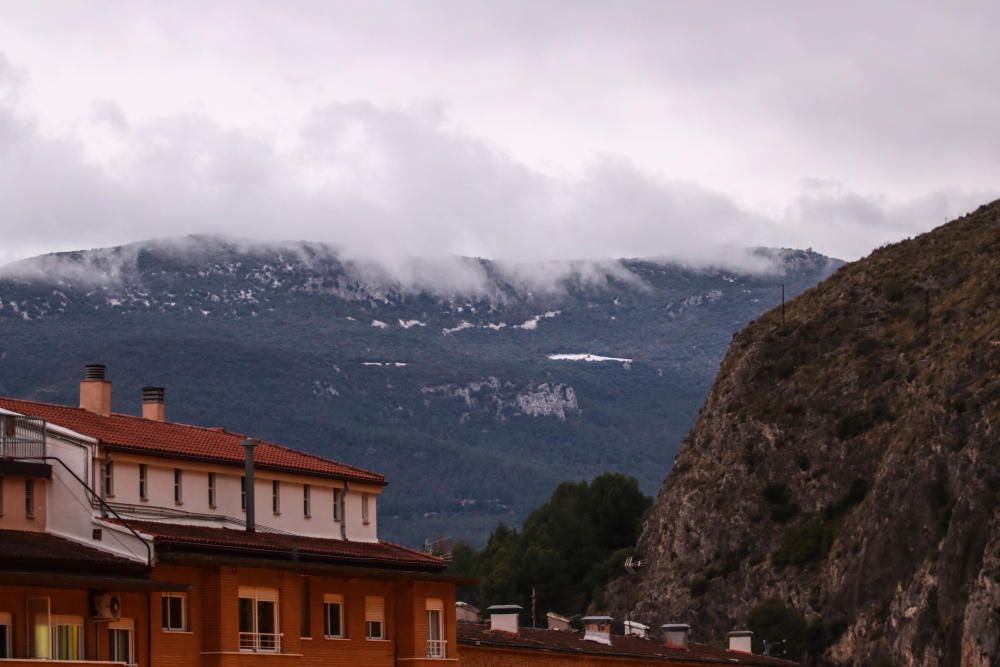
pixel 449 396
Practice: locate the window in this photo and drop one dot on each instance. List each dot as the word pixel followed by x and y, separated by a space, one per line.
pixel 338 504
pixel 29 498
pixel 120 642
pixel 276 497
pixel 243 493
pixel 305 609
pixel 39 626
pixel 305 502
pixel 258 620
pixel 436 645
pixel 5 640
pixel 173 612
pixel 364 508
pixel 109 479
pixel 178 486
pixel 333 616
pixel 143 484
pixel 67 638
pixel 374 617
pixel 211 490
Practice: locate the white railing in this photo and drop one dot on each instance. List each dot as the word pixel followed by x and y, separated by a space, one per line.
pixel 437 648
pixel 260 642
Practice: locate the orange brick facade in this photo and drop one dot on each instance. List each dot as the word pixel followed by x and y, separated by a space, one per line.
pixel 491 656
pixel 211 636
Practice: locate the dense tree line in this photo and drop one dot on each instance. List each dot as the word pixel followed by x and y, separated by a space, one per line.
pixel 567 551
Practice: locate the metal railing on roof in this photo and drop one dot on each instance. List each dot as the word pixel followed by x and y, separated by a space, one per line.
pixel 21 437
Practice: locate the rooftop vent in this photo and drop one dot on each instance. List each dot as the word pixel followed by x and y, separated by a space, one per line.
pixel 597 629
pixel 466 612
pixel 504 617
pixel 676 634
pixel 154 403
pixel 557 622
pixel 741 640
pixel 95 390
pixel 636 629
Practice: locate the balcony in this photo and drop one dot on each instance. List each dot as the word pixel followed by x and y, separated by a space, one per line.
pixel 21 437
pixel 437 648
pixel 260 642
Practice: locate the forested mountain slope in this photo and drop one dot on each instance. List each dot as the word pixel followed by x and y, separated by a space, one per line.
pixel 468 383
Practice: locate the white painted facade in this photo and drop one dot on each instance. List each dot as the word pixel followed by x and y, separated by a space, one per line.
pixel 68 509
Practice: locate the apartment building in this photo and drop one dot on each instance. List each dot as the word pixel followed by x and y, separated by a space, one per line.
pixel 136 540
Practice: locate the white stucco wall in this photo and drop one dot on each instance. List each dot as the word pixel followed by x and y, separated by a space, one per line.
pixel 194 500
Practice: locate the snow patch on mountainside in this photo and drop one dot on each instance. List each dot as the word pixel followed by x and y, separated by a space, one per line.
pixel 587 357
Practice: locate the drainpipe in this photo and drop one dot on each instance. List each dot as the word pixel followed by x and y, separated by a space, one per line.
pixel 343 511
pixel 248 445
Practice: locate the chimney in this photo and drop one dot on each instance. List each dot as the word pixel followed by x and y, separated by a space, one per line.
pixel 504 617
pixel 741 640
pixel 597 629
pixel 153 403
pixel 676 634
pixel 248 445
pixel 636 629
pixel 95 390
pixel 557 622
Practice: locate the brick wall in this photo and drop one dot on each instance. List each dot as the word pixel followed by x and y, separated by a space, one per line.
pixel 488 656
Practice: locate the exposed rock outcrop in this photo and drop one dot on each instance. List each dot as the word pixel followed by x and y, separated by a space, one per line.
pixel 847 463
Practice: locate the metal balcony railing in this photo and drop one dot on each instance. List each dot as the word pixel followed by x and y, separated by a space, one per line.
pixel 437 648
pixel 260 642
pixel 21 437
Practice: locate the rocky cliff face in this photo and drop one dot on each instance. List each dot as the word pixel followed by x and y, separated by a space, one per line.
pixel 847 464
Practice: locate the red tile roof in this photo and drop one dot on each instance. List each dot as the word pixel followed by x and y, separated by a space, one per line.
pixel 180 440
pixel 34 551
pixel 263 544
pixel 532 639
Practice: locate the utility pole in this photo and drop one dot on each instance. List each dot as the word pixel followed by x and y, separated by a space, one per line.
pixel 534 598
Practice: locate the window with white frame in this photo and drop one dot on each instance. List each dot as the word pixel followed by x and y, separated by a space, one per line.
pixel 333 616
pixel 143 482
pixel 374 617
pixel 67 637
pixel 211 490
pixel 276 496
pixel 306 503
pixel 120 646
pixel 173 612
pixel 258 620
pixel 109 479
pixel 178 486
pixel 364 509
pixel 6 647
pixel 436 644
pixel 29 498
pixel 338 504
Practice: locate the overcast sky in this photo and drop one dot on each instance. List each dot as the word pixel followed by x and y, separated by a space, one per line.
pixel 517 130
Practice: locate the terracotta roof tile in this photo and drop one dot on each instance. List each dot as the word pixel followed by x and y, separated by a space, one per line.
pixel 374 554
pixel 473 634
pixel 180 440
pixel 35 551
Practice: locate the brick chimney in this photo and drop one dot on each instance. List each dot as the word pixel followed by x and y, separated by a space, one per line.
pixel 504 617
pixel 95 390
pixel 597 629
pixel 153 406
pixel 676 634
pixel 741 640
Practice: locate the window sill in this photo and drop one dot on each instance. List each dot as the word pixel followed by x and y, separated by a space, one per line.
pixel 176 632
pixel 336 639
pixel 377 639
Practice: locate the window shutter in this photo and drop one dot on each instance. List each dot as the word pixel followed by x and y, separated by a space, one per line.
pixel 435 605
pixel 374 608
